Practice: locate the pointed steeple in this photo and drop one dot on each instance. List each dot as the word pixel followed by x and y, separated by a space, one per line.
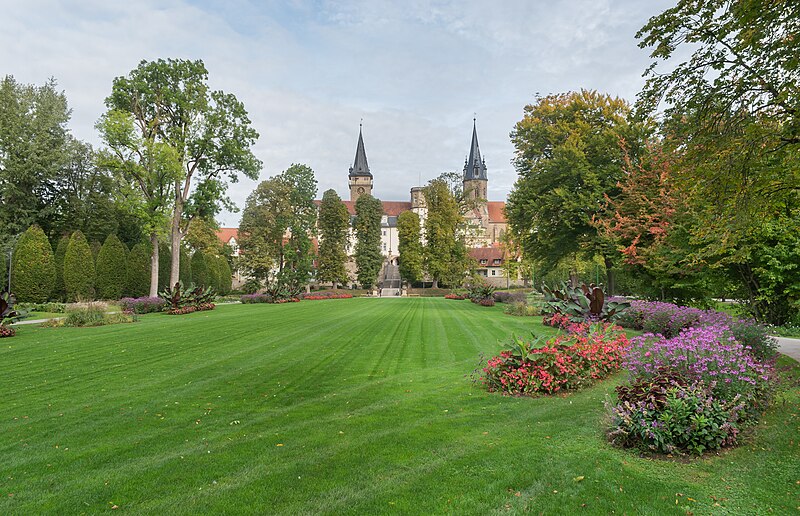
pixel 475 167
pixel 360 166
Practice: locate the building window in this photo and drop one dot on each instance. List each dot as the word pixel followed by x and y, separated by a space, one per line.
pixel 384 246
pixel 384 232
pixel 494 272
pixel 496 261
pixel 484 262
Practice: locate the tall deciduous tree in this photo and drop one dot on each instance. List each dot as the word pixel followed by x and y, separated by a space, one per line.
pixel 445 252
pixel 275 230
pixel 568 161
pixel 209 132
pixel 33 136
pixel 79 270
pixel 409 237
pixel 334 222
pixel 369 211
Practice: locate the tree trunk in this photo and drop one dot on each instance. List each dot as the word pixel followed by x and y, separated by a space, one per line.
pixel 154 265
pixel 435 283
pixel 176 236
pixel 611 280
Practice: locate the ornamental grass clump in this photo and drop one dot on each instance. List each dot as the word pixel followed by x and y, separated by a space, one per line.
pixel 142 305
pixel 565 362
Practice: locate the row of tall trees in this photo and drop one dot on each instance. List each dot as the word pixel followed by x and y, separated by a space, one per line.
pixel 698 199
pixel 75 273
pixel 171 147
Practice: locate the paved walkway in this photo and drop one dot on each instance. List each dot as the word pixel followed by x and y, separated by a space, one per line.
pixel 789 347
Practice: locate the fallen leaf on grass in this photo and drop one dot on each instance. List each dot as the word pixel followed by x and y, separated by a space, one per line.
pixel 279 444
pixel 578 479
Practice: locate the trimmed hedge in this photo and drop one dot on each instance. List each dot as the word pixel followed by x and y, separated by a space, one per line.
pixel 59 292
pixel 225 276
pixel 212 263
pixel 138 271
pixel 110 262
pixel 33 268
pixel 79 272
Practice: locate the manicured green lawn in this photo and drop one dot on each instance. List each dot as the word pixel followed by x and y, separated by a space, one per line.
pixel 358 406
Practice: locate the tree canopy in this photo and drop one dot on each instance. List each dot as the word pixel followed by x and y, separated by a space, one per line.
pixel 369 259
pixel 409 244
pixel 333 223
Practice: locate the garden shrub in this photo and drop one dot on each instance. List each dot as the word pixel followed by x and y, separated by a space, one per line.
pixel 59 292
pixel 33 270
pixel 51 307
pixel 565 362
pixel 521 309
pixel 8 314
pixel 454 296
pixel 182 300
pixel 487 301
pixel 510 297
pixel 110 262
pixel 138 271
pixel 142 305
pixel 79 271
pixel 225 275
pixel 91 314
pixel 690 419
pixel 754 337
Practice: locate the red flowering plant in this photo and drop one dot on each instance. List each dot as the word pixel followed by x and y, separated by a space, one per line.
pixel 454 296
pixel 566 362
pixel 325 294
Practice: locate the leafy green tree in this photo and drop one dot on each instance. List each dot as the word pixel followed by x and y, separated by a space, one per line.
pixel 79 270
pixel 410 246
pixel 569 161
pixel 445 254
pixel 334 222
pixel 33 269
pixel 110 263
pixel 275 230
pixel 200 270
pixel 138 270
pixel 369 211
pixel 59 292
pixel 33 136
pixel 209 132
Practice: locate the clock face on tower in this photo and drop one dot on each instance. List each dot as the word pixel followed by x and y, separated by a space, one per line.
pixel 361 189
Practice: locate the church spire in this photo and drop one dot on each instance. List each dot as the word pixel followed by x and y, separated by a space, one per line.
pixel 360 166
pixel 475 167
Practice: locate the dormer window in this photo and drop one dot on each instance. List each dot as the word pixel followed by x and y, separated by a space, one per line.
pixel 484 262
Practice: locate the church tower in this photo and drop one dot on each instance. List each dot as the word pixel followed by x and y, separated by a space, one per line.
pixel 475 178
pixel 360 176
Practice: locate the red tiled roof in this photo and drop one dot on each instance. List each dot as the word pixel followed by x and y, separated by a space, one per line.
pixel 497 211
pixel 487 253
pixel 225 234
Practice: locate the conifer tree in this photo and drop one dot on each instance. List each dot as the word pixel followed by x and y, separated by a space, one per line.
pixel 200 273
pixel 334 221
pixel 164 264
pixel 110 263
pixel 79 271
pixel 3 272
pixel 33 269
pixel 212 266
pixel 225 276
pixel 368 240
pixel 409 246
pixel 61 249
pixel 138 270
pixel 186 268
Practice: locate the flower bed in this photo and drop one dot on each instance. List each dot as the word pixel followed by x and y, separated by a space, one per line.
pixel 689 393
pixel 326 294
pixel 255 298
pixel 142 305
pixel 557 320
pixel 454 296
pixel 565 362
pixel 6 331
pixel 191 308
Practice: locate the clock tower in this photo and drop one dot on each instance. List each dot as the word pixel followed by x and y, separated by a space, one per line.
pixel 360 176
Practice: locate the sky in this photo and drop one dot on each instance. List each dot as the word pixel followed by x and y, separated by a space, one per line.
pixel 415 73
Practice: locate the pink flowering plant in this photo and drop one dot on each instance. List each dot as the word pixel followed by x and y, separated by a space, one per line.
pixel 566 362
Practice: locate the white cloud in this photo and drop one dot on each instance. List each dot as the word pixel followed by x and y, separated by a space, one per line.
pixel 309 71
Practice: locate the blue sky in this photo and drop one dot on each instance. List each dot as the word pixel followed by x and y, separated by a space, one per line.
pixel 308 71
